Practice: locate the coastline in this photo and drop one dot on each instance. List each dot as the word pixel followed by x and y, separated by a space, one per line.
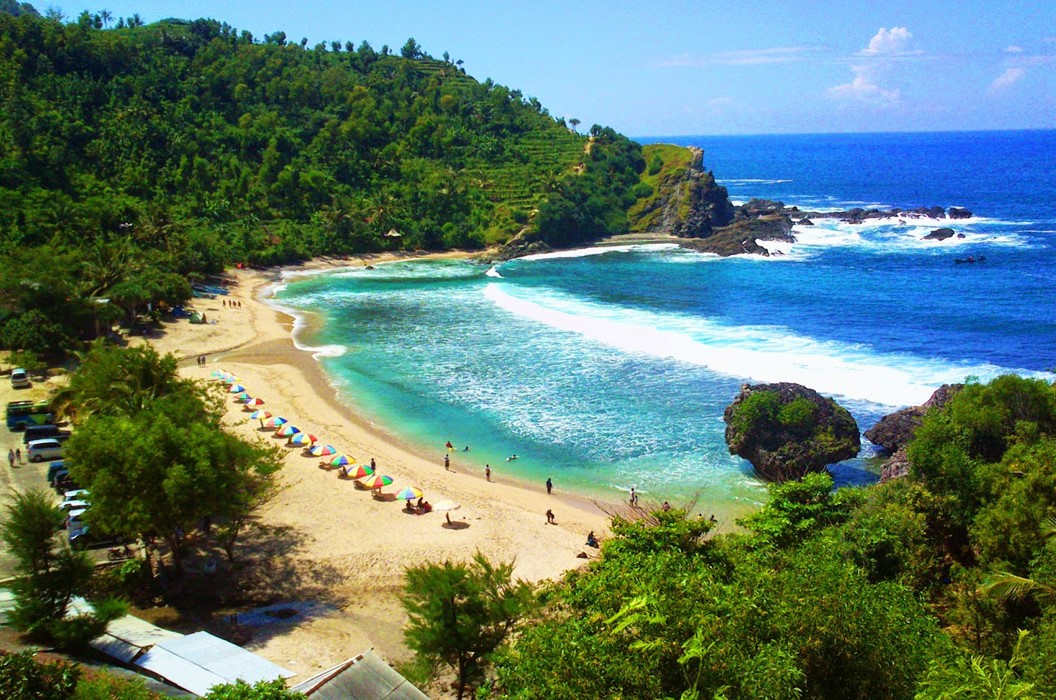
pixel 350 548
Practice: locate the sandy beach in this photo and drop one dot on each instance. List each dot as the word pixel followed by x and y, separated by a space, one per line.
pixel 338 544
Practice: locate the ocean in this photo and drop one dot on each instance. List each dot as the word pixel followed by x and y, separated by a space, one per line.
pixel 605 369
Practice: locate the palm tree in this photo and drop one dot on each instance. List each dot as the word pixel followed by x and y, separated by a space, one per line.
pixel 106 16
pixel 1008 586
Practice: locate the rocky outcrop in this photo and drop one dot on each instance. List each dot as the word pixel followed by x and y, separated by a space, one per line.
pixel 788 430
pixel 743 236
pixel 894 431
pixel 689 203
pixel 940 234
pixel 858 215
pixel 959 213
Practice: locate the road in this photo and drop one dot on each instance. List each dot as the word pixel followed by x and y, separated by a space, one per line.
pixel 22 477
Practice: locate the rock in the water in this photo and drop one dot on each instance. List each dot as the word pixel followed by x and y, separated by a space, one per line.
pixel 787 430
pixel 959 213
pixel 940 234
pixel 894 431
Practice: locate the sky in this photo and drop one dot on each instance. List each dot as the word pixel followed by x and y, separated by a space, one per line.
pixel 668 67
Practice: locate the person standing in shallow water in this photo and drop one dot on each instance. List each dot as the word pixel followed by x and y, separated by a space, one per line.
pixel 487 472
pixel 447 462
pixel 549 485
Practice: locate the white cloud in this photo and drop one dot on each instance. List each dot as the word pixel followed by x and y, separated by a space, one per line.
pixel 873 61
pixel 1008 78
pixel 747 57
pixel 888 43
pixel 1014 49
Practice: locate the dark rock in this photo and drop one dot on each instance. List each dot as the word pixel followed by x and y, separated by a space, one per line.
pixel 787 430
pixel 805 222
pixel 740 237
pixel 960 235
pixel 940 234
pixel 959 213
pixel 894 431
pixel 689 203
pixel 896 467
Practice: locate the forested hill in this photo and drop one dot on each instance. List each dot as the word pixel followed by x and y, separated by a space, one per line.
pixel 218 146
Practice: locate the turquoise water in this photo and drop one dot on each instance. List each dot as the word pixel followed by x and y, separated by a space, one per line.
pixel 611 370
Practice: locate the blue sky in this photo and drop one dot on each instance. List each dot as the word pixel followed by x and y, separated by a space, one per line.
pixel 652 68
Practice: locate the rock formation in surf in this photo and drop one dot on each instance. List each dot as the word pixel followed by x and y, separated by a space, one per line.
pixel 787 430
pixel 894 431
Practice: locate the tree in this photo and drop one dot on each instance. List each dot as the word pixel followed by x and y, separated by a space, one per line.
pixel 574 122
pixel 49 575
pixel 461 612
pixel 411 50
pixel 261 690
pixel 106 16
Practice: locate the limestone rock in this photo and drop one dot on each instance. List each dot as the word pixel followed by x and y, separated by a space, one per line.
pixel 788 430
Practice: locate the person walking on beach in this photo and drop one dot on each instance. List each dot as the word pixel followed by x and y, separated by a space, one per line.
pixel 549 485
pixel 487 472
pixel 18 455
pixel 447 462
pixel 550 517
pixel 11 458
pixel 634 498
pixel 373 465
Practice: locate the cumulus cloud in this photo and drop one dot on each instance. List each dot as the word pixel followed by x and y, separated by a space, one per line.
pixel 885 46
pixel 1008 78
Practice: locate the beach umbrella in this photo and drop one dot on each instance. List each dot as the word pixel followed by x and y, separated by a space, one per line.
pixel 275 422
pixel 342 461
pixel 236 388
pixel 323 450
pixel 408 493
pixel 217 374
pixel 376 481
pixel 358 471
pixel 446 505
pixel 260 415
pixel 287 430
pixel 303 439
pixel 243 396
pixel 254 402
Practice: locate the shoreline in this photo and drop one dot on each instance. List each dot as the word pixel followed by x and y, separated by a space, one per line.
pixel 349 545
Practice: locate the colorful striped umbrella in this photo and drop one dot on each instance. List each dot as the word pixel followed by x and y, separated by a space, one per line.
pixel 303 439
pixel 408 493
pixel 236 388
pixel 376 481
pixel 254 402
pixel 341 461
pixel 358 471
pixel 323 450
pixel 275 422
pixel 260 415
pixel 243 396
pixel 217 374
pixel 287 430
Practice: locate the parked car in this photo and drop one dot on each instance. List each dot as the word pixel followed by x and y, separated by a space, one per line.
pixel 76 518
pixel 76 504
pixel 59 465
pixel 76 494
pixel 39 432
pixel 20 379
pixel 39 450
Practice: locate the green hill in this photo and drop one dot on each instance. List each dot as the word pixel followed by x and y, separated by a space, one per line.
pixel 182 146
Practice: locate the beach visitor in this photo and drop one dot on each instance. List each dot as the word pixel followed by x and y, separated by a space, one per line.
pixel 487 472
pixel 466 448
pixel 18 455
pixel 550 517
pixel 549 485
pixel 666 507
pixel 592 541
pixel 11 458
pixel 449 445
pixel 511 458
pixel 447 462
pixel 634 498
pixel 373 464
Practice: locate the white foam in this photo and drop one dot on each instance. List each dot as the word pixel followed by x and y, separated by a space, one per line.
pixel 600 250
pixel 300 322
pixel 756 353
pixel 751 181
pixel 493 272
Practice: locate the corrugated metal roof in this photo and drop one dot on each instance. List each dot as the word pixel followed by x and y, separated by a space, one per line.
pixel 365 677
pixel 199 661
pixel 127 637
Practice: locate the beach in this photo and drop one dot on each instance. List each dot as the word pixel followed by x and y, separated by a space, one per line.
pixel 338 545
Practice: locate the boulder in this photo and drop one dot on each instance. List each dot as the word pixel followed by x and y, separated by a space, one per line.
pixel 788 430
pixel 959 213
pixel 940 234
pixel 894 431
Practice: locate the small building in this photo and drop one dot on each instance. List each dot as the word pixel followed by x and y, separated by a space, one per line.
pixel 365 677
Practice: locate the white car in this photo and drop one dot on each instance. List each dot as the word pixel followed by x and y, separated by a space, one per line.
pixel 70 506
pixel 40 450
pixel 19 378
pixel 76 494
